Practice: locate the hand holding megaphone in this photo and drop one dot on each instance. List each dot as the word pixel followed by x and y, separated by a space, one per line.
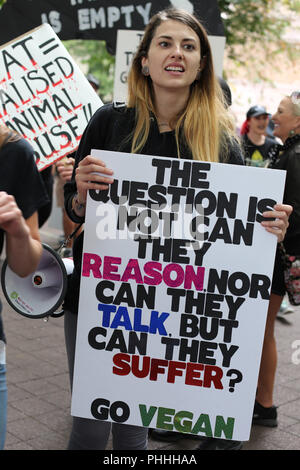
pixel 41 293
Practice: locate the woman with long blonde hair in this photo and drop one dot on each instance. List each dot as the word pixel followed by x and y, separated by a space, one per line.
pixel 203 121
pixel 175 109
pixel 287 128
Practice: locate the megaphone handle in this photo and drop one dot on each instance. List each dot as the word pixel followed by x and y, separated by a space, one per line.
pixel 57 314
pixel 68 239
pixel 54 315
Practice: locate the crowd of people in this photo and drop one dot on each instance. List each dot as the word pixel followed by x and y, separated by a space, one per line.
pixel 176 107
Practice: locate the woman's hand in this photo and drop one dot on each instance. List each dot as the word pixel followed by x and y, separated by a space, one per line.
pixel 23 246
pixel 11 218
pixel 91 173
pixel 281 214
pixel 65 168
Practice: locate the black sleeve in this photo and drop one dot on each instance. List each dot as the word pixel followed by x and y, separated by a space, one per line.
pixel 93 137
pixel 44 212
pixel 235 154
pixel 290 161
pixel 20 177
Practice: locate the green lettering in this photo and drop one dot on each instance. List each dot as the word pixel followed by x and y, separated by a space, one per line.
pixel 185 425
pixel 203 425
pixel 226 428
pixel 164 417
pixel 147 415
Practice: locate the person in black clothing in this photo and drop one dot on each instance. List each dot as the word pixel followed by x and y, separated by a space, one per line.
pixel 44 212
pixel 258 148
pixel 176 109
pixel 64 170
pixel 22 193
pixel 93 81
pixel 287 128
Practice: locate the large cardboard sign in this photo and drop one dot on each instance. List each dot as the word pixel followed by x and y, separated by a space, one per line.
pixel 44 95
pixel 175 285
pixel 127 45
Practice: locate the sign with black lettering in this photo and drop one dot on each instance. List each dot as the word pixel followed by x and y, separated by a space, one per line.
pixel 44 95
pixel 175 286
pixel 96 19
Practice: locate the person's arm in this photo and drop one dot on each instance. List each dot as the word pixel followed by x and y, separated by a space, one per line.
pixel 88 172
pixel 23 246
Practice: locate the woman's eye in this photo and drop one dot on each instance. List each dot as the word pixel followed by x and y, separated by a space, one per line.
pixel 164 43
pixel 189 47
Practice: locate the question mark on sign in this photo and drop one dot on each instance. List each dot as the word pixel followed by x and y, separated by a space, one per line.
pixel 238 378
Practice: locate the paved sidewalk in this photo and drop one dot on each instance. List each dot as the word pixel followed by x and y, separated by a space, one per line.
pixel 39 395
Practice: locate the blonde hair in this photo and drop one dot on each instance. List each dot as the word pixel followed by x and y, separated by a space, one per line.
pixel 205 124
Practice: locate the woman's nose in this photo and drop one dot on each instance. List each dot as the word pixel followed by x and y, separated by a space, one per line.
pixel 177 51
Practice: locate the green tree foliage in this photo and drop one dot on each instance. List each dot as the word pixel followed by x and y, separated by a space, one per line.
pixel 257 21
pixel 99 62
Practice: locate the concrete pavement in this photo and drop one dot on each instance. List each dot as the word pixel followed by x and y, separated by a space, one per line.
pixel 39 393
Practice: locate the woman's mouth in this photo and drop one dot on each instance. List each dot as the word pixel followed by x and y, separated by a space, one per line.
pixel 174 68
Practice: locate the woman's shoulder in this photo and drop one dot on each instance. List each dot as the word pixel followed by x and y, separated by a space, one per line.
pixel 291 148
pixel 108 117
pixel 289 155
pixel 292 145
pixel 19 149
pixel 234 154
pixel 115 109
pixel 109 125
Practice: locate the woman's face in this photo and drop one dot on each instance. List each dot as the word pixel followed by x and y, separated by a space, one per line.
pixel 259 124
pixel 173 57
pixel 284 119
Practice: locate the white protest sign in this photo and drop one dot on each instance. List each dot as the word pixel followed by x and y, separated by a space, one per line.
pixel 127 43
pixel 44 95
pixel 174 294
pixel 217 44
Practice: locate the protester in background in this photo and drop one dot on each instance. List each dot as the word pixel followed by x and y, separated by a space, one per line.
pixel 175 108
pixel 22 193
pixel 94 82
pixel 64 168
pixel 287 128
pixel 44 212
pixel 258 148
